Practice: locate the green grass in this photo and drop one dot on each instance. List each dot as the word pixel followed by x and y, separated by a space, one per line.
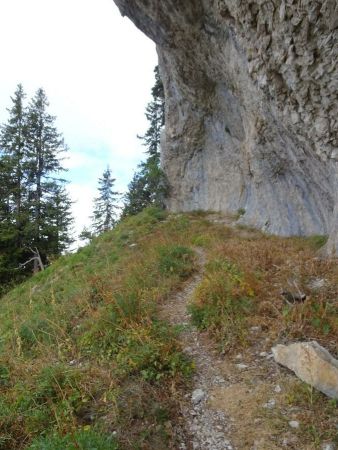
pixel 74 333
pixel 84 356
pixel 80 440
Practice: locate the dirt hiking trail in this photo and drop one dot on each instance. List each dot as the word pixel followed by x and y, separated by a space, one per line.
pixel 236 401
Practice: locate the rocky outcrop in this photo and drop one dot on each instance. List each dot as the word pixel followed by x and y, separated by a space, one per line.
pixel 312 364
pixel 251 108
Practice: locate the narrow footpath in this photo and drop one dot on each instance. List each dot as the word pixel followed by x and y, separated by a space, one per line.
pixel 206 428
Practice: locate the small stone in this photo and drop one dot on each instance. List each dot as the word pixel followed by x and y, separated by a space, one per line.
pixel 241 366
pixel 132 245
pixel 270 404
pixel 197 396
pixel 294 424
pixel 278 389
pixel 317 283
pixel 263 354
pixel 239 356
pixel 328 446
pixel 255 329
pixel 219 380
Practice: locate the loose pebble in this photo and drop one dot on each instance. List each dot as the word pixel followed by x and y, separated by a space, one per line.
pixel 241 366
pixel 197 396
pixel 294 424
pixel 329 446
pixel 270 404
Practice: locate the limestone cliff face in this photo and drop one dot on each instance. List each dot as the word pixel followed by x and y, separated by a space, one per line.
pixel 252 112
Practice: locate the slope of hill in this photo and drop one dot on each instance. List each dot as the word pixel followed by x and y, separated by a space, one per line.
pixel 90 357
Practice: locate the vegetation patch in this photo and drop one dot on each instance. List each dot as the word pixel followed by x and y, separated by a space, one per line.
pixel 75 333
pixel 84 353
pixel 222 302
pixel 80 440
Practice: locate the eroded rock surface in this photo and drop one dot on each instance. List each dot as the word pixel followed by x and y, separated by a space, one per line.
pixel 251 108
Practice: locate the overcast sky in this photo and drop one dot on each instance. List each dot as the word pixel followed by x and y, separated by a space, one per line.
pixel 97 71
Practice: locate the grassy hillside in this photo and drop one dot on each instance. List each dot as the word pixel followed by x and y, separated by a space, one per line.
pixel 86 363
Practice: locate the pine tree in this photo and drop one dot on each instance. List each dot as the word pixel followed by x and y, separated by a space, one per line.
pixel 45 147
pixel 105 205
pixel 149 185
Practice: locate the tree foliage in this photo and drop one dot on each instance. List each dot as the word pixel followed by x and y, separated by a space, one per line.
pixel 34 205
pixel 105 204
pixel 149 185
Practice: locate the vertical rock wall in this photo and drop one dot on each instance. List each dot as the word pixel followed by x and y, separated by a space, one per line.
pixel 252 113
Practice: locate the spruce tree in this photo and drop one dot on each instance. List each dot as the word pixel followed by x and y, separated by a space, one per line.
pixel 149 185
pixel 34 206
pixel 105 205
pixel 45 148
pixel 137 197
pixel 12 142
pixel 155 116
pixel 13 181
pixel 59 220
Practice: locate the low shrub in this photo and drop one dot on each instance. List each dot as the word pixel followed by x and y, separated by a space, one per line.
pixel 176 260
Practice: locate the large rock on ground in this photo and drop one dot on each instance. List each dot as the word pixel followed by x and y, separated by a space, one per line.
pixel 251 108
pixel 312 364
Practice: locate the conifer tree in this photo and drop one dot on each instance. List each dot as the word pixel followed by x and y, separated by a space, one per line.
pixel 155 116
pixel 13 190
pixel 59 220
pixel 34 206
pixel 149 185
pixel 137 197
pixel 105 205
pixel 12 143
pixel 45 148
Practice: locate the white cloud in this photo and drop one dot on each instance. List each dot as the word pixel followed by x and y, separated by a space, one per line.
pixel 75 160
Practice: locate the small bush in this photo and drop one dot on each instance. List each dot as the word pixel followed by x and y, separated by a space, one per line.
pixel 176 260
